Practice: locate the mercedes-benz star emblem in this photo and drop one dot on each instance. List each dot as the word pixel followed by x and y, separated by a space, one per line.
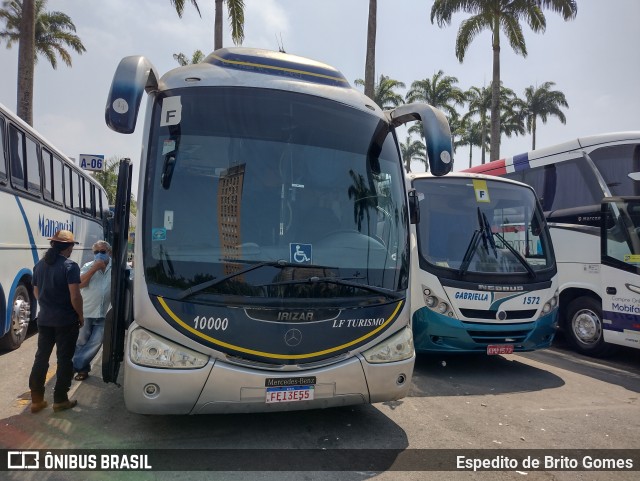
pixel 293 337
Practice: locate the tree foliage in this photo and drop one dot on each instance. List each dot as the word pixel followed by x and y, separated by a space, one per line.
pixel 236 19
pixel 385 93
pixel 498 16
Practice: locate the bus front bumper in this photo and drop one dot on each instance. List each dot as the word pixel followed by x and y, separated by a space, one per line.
pixel 222 387
pixel 433 332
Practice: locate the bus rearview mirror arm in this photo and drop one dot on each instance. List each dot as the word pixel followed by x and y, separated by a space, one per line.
pixel 133 75
pixel 437 133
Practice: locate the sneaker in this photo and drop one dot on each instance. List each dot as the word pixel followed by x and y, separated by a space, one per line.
pixel 38 406
pixel 63 406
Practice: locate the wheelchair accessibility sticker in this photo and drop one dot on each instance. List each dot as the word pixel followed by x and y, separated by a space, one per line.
pixel 300 253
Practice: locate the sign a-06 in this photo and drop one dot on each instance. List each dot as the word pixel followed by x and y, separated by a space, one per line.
pixel 91 162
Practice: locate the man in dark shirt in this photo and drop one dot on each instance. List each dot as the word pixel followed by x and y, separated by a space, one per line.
pixel 56 285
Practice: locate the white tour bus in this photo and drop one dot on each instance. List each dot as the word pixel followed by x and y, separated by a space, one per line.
pixel 484 277
pixel 41 191
pixel 272 243
pixel 590 191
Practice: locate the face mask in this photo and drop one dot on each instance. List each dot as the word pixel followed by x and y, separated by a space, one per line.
pixel 102 257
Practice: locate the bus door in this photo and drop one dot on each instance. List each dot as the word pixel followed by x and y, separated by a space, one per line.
pixel 119 316
pixel 620 271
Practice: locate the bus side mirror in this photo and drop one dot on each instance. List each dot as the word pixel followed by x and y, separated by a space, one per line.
pixel 134 75
pixel 414 207
pixel 437 133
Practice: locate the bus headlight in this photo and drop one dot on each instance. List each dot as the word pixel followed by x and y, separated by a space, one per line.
pixel 550 304
pixel 434 303
pixel 395 348
pixel 146 349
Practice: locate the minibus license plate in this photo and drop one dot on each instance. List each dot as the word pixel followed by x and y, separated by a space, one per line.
pixel 500 349
pixel 289 394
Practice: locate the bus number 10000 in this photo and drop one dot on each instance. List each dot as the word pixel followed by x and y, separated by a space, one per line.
pixel 211 323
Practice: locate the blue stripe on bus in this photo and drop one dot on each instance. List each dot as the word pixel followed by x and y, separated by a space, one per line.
pixel 521 162
pixel 621 321
pixel 34 249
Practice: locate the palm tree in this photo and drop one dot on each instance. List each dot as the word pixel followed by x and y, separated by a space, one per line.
pixel 479 99
pixel 384 92
pixel 236 19
pixel 511 113
pixel 26 62
pixel 413 150
pixel 496 16
pixel 370 62
pixel 470 133
pixel 183 60
pixel 440 91
pixel 53 32
pixel 542 102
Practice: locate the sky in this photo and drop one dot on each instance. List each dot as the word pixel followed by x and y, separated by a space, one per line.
pixel 594 60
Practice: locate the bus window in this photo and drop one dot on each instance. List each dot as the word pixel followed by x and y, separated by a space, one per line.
pixel 16 156
pixel 579 186
pixel 57 181
pixel 47 177
pixel 92 199
pixel 84 195
pixel 614 163
pixel 535 177
pixel 76 193
pixel 67 187
pixel 100 203
pixel 33 165
pixel 3 160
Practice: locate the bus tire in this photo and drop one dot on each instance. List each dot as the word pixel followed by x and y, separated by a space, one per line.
pixel 20 316
pixel 584 327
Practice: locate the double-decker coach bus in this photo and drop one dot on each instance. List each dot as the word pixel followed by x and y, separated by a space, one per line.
pixel 590 192
pixel 272 242
pixel 41 191
pixel 484 276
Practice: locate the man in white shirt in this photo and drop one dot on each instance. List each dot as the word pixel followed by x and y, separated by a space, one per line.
pixel 95 287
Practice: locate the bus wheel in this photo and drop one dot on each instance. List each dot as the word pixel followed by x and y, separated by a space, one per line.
pixel 20 316
pixel 584 327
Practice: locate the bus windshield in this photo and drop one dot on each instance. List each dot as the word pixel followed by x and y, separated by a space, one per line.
pixel 269 194
pixel 482 226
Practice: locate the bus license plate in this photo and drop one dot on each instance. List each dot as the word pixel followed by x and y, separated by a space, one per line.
pixel 492 350
pixel 289 394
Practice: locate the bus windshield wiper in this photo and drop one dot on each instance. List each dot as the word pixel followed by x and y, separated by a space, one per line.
pixel 488 233
pixel 217 280
pixel 517 255
pixel 340 281
pixel 478 235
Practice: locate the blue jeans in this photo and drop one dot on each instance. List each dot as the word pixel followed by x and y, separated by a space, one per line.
pixel 89 343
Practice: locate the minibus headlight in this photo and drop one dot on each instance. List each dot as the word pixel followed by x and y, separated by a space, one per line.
pixel 146 349
pixel 551 303
pixel 435 303
pixel 395 348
